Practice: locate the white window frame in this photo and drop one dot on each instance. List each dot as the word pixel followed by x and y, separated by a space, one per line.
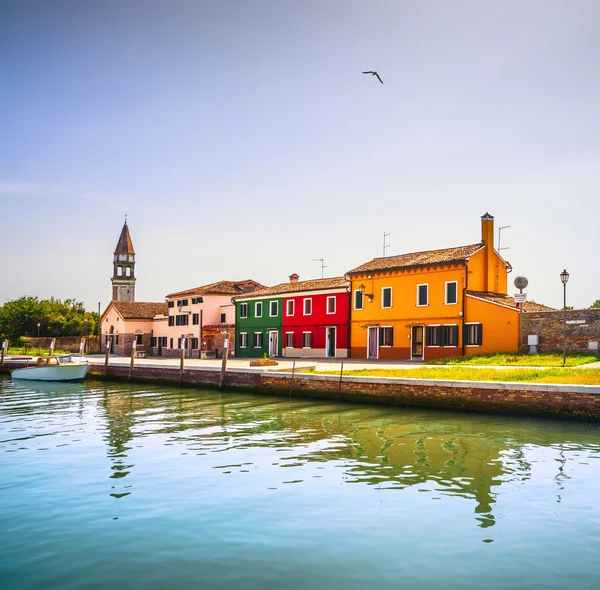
pixel 334 299
pixel 452 325
pixel 427 291
pixel 362 302
pixel 382 298
pixel 379 336
pixel 289 307
pixel 310 337
pixel 446 302
pixel 243 339
pixel 472 324
pixel 260 334
pixel 287 336
pixel 243 306
pixel 271 314
pixel 431 326
pixel 256 304
pixel 304 306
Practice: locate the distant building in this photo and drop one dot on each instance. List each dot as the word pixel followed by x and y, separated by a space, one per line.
pixel 123 279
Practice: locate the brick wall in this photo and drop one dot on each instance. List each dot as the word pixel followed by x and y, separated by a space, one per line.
pixel 70 343
pixel 583 326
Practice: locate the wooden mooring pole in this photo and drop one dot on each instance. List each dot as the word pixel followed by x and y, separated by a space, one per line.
pixel 133 347
pixel 4 351
pixel 224 363
pixel 52 343
pixel 181 361
pixel 292 379
pixel 108 345
pixel 82 346
pixel 340 383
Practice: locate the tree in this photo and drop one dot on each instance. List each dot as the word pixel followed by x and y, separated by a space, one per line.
pixel 20 317
pixel 596 304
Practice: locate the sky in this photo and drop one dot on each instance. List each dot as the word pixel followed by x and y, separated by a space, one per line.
pixel 242 140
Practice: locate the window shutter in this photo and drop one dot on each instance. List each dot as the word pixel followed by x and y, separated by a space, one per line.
pixel 443 335
pixel 480 334
pixel 465 334
pixel 391 336
pixel 455 340
pixel 380 337
pixel 428 335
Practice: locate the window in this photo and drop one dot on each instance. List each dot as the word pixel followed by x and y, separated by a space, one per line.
pixel 331 304
pixel 290 307
pixel 307 306
pixel 386 297
pixel 195 319
pixel 258 339
pixel 171 320
pixel 273 308
pixel 128 272
pixel 243 310
pixel 162 341
pixel 196 300
pixel 119 271
pixel 171 304
pixel 123 257
pixel 358 299
pixel 139 338
pixel 451 293
pixel 386 336
pixel 243 339
pixel 422 295
pixel 306 339
pixel 473 334
pixel 223 318
pixel 248 289
pixel 170 342
pixel 258 309
pixel 289 340
pixel 194 343
pixel 182 320
pixel 441 335
pixel 154 341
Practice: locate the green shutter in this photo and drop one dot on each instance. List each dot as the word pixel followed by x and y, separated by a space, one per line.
pixel 391 336
pixel 443 335
pixel 428 335
pixel 455 330
pixel 480 334
pixel 465 334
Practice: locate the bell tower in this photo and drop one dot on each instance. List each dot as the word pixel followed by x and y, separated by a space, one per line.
pixel 123 279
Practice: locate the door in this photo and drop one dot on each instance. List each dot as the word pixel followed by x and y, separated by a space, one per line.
pixel 273 343
pixel 372 342
pixel 112 339
pixel 416 349
pixel 160 340
pixel 330 344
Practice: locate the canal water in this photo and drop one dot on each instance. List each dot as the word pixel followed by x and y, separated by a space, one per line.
pixel 144 486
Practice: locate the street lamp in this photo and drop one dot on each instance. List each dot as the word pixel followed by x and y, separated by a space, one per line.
pixel 564 277
pixel 38 326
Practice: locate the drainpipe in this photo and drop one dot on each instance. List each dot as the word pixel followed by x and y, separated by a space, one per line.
pixel 462 335
pixel 349 290
pixel 200 343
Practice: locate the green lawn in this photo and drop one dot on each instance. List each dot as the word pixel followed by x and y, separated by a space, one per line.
pixel 546 359
pixel 34 351
pixel 560 376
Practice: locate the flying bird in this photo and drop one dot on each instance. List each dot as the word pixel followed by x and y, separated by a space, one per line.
pixel 374 74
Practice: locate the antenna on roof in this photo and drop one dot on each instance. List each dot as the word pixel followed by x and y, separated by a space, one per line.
pixel 500 237
pixel 323 265
pixel 385 235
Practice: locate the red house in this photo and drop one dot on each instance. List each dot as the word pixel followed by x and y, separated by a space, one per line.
pixel 315 317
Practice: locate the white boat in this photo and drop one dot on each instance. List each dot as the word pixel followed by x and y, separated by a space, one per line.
pixel 54 368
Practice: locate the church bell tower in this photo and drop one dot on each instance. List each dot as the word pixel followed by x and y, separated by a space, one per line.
pixel 123 279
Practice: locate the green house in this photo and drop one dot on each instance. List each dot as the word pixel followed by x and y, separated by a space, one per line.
pixel 258 321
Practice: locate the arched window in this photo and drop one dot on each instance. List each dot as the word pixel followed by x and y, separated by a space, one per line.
pixel 119 271
pixel 128 272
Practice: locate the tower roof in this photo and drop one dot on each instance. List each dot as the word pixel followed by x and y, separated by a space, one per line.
pixel 124 245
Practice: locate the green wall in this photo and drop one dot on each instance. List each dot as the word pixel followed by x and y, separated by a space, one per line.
pixel 253 324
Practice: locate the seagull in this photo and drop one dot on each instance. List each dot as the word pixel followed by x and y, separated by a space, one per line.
pixel 374 74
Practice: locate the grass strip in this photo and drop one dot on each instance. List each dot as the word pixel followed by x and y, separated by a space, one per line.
pixel 546 359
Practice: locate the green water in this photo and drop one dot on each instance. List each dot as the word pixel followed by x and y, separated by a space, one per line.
pixel 111 486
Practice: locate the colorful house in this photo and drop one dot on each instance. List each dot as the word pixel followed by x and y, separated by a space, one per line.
pixel 433 304
pixel 295 319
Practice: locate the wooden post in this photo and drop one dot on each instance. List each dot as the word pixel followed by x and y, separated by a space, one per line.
pixel 133 346
pixel 182 344
pixel 224 363
pixel 108 346
pixel 82 346
pixel 292 379
pixel 4 351
pixel 340 383
pixel 52 343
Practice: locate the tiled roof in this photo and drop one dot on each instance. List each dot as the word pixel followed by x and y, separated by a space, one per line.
pixel 218 288
pixel 125 244
pixel 416 259
pixel 140 310
pixel 285 288
pixel 509 301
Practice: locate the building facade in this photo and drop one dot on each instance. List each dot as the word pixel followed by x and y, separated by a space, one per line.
pixel 123 279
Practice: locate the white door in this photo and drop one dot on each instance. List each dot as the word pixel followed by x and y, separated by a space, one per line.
pixel 273 343
pixel 373 343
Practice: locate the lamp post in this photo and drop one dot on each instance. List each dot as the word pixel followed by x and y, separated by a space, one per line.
pixel 38 327
pixel 521 283
pixel 564 277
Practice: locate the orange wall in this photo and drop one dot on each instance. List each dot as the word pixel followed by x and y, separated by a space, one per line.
pixel 500 326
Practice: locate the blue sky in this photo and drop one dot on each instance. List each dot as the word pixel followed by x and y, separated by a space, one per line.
pixel 242 140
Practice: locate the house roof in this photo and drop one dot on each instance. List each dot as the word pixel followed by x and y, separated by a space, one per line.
pixel 509 301
pixel 138 310
pixel 418 259
pixel 124 244
pixel 285 288
pixel 218 288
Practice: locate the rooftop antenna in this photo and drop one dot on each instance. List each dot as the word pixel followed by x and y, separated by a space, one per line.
pixel 500 237
pixel 323 265
pixel 385 235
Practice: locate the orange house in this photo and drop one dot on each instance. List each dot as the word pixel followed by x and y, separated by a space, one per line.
pixel 434 304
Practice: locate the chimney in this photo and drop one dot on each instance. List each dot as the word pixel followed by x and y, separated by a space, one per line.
pixel 487 237
pixel 294 278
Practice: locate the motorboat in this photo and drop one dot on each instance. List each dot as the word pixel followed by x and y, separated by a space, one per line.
pixel 54 368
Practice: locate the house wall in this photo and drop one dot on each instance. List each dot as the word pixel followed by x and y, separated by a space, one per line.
pixel 500 326
pixel 253 324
